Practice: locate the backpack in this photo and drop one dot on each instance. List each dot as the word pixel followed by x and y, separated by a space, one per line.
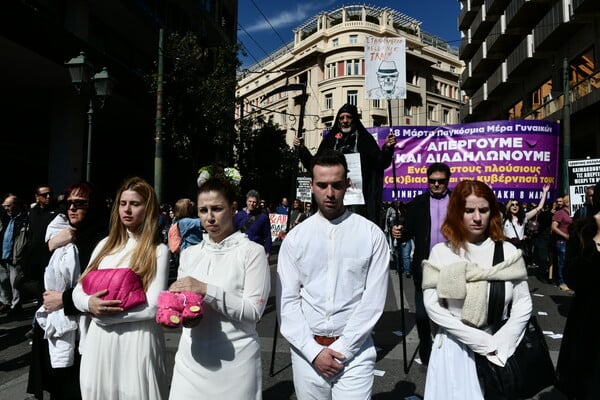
pixel 174 238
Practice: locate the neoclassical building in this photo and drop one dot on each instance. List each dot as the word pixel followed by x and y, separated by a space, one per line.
pixel 327 55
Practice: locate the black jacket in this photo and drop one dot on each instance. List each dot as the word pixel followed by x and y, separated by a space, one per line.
pixel 417 226
pixel 373 160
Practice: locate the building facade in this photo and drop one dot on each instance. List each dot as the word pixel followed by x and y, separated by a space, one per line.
pixel 327 55
pixel 46 121
pixel 522 56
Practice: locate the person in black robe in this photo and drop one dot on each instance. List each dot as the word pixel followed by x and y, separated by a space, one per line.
pixel 348 135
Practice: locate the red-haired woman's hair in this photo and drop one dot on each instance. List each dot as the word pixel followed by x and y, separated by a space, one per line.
pixel 454 228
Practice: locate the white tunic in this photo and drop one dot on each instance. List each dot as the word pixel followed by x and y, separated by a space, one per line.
pixel 332 282
pixel 219 358
pixel 451 373
pixel 123 356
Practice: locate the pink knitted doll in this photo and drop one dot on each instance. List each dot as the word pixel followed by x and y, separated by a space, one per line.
pixel 170 306
pixel 192 305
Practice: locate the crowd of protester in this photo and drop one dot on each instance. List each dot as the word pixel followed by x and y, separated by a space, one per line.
pixel 100 273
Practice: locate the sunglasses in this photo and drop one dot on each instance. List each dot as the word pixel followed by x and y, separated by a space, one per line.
pixel 47 194
pixel 437 181
pixel 514 204
pixel 78 204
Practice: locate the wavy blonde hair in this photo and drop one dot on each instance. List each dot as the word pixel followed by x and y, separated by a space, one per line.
pixel 143 256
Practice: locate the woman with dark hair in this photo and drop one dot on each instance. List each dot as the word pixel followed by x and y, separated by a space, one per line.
pixel 123 354
pixel 72 236
pixel 219 355
pixel 515 218
pixel 456 278
pixel 578 365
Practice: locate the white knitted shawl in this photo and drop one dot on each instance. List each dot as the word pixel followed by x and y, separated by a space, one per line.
pixel 466 280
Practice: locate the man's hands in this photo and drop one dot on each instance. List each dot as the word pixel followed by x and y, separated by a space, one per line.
pixel 298 142
pixel 327 364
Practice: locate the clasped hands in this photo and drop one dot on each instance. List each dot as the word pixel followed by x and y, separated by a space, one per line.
pixel 327 362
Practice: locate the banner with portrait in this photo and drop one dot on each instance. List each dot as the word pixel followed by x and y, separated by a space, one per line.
pixel 515 158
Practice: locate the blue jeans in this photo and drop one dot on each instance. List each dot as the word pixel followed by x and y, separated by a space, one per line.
pixel 561 251
pixel 405 250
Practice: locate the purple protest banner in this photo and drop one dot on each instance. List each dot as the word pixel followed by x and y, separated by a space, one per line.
pixel 515 158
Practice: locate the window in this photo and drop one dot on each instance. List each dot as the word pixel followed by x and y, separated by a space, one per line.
pixel 283 118
pixel 330 71
pixel 542 94
pixel 446 116
pixel 353 39
pixel 516 111
pixel 431 113
pixel 376 103
pixel 352 97
pixel 352 67
pixel 335 42
pixel 407 110
pixel 328 101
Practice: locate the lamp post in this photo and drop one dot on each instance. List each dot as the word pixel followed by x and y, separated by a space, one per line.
pixel 98 87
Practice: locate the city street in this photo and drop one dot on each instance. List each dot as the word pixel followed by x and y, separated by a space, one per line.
pixel 391 382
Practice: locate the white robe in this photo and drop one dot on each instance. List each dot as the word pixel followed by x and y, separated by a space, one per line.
pixel 219 358
pixel 123 356
pixel 451 373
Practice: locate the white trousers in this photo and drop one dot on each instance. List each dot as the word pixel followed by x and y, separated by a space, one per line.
pixel 354 383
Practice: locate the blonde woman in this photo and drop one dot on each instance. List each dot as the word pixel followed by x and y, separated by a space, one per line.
pixel 123 353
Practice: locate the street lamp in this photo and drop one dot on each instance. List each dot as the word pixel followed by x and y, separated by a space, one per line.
pixel 98 88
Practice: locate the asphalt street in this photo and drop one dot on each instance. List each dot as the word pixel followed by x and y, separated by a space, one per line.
pixel 397 376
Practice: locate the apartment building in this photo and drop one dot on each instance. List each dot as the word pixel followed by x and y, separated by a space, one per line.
pixel 522 57
pixel 327 55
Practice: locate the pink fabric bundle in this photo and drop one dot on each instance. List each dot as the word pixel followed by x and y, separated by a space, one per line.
pixel 122 284
pixel 175 308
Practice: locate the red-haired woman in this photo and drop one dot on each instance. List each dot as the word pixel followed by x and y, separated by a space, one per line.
pixel 455 292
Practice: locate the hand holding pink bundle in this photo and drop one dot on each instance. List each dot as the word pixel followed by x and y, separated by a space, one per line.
pixel 175 308
pixel 122 284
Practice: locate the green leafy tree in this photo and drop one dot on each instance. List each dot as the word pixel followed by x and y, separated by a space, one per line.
pixel 266 161
pixel 198 105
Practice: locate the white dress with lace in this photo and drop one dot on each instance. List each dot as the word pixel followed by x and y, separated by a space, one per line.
pixel 219 358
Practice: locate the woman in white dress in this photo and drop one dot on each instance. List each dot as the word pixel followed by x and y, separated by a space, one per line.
pixel 219 356
pixel 455 292
pixel 123 350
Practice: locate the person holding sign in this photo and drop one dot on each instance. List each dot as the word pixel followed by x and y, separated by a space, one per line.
pixel 351 138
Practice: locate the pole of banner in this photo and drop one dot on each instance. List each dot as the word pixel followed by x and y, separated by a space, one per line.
pixel 398 249
pixel 299 132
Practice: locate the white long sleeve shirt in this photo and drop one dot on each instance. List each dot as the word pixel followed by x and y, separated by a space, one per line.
pixel 332 281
